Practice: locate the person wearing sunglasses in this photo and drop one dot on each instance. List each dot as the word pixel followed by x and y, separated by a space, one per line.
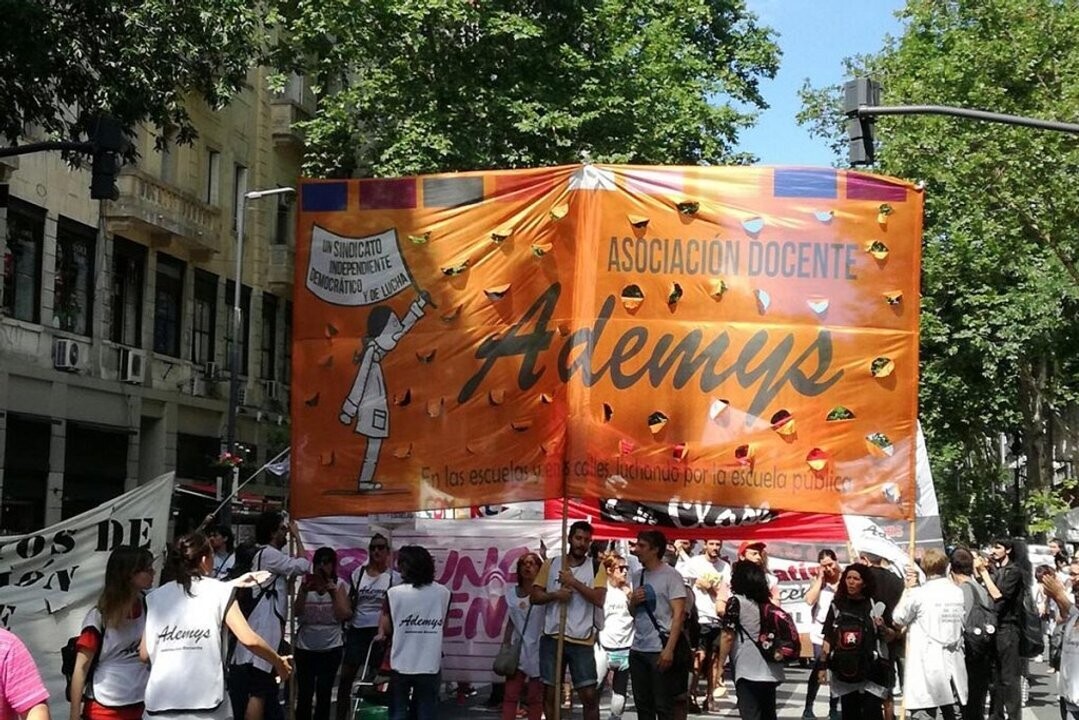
pixel 616 637
pixel 367 587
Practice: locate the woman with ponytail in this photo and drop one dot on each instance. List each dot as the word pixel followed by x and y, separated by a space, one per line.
pixel 184 637
pixel 109 680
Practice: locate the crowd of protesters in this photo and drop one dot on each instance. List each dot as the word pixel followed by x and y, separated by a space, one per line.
pixel 651 620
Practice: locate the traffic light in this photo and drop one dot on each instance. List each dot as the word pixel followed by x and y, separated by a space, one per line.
pixel 109 142
pixel 860 92
pixel 103 175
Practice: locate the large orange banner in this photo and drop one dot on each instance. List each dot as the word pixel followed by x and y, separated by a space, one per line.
pixel 741 336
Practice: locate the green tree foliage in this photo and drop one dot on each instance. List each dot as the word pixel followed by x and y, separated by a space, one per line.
pixel 999 350
pixel 411 86
pixel 67 60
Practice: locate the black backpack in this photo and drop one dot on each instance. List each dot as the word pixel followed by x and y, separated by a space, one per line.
pixel 855 651
pixel 68 653
pixel 1031 642
pixel 979 624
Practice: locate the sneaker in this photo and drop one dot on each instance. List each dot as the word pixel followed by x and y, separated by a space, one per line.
pixel 719 693
pixel 808 715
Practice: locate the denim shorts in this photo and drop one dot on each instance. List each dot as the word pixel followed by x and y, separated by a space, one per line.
pixel 581 660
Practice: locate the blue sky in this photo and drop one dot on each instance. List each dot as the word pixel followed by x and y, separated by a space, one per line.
pixel 815 36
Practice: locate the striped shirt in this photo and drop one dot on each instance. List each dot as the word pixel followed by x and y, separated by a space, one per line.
pixel 20 684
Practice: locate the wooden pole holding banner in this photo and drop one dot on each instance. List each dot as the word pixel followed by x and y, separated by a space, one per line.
pixel 562 611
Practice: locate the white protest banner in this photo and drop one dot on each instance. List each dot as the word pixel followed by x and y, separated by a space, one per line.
pixel 353 271
pixel 475 559
pixel 50 579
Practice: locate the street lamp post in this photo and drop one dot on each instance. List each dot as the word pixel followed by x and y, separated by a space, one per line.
pixel 234 351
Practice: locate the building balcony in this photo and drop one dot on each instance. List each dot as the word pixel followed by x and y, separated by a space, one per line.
pixel 165 213
pixel 293 104
pixel 280 271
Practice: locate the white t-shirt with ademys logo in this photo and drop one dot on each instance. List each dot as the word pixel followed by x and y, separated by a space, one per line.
pixel 418 615
pixel 370 594
pixel 183 639
pixel 120 677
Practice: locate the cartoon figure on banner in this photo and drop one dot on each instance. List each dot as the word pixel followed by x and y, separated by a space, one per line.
pixel 368 402
pixel 356 272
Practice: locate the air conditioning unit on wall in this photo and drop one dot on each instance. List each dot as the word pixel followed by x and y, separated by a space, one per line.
pixel 271 390
pixel 132 365
pixel 197 386
pixel 65 354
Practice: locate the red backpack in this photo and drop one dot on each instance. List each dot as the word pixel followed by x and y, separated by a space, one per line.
pixel 778 640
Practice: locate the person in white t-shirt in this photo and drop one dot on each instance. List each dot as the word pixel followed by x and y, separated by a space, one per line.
pixel 616 637
pixel 184 636
pixel 414 619
pixel 1068 674
pixel 755 678
pixel 581 585
pixel 224 546
pixel 109 642
pixel 367 588
pixel 252 686
pixel 658 603
pixel 709 576
pixel 819 599
pixel 320 608
pixel 524 625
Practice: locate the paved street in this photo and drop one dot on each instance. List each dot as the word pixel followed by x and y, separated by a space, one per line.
pixel 1041 706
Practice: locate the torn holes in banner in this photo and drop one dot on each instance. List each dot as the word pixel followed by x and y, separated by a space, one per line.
pixel 675 294
pixel 539 249
pixel 521 425
pixel 499 236
pixel 883 212
pixel 331 330
pixel 639 222
pixel 878 250
pixel 608 412
pixel 839 414
pixel 718 288
pixel 717 408
pixel 764 300
pixel 632 297
pixel 426 355
pixel 434 407
pixel 882 367
pixel 402 452
pixel 496 396
pixel 453 270
pixel 824 216
pixel 753 225
pixel 403 399
pixel 817 459
pixel 893 297
pixel 689 207
pixel 657 421
pixel 497 292
pixel 451 314
pixel 879 445
pixel 420 239
pixel 680 451
pixel 312 401
pixel 783 423
pixel 744 454
pixel 818 305
pixel 546 398
pixel 559 211
pixel 626 447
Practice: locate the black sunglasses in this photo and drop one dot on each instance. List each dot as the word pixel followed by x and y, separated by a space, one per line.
pixel 380 547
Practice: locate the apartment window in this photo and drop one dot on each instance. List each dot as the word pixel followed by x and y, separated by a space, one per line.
pixel 22 261
pixel 203 324
pixel 128 268
pixel 169 161
pixel 95 467
pixel 73 286
pixel 283 220
pixel 239 188
pixel 212 191
pixel 26 474
pixel 168 302
pixel 245 330
pixel 286 357
pixel 269 335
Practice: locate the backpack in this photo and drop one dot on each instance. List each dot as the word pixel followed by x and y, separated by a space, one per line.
pixel 68 653
pixel 778 640
pixel 979 624
pixel 1031 642
pixel 854 655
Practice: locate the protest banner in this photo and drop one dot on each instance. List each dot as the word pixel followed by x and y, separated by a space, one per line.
pixel 740 335
pixel 475 559
pixel 50 579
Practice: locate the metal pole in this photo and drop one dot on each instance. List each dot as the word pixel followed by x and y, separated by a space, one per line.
pixel 234 349
pixel 874 110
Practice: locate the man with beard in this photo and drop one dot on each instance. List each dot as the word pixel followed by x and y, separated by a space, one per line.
pixel 709 576
pixel 579 586
pixel 819 599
